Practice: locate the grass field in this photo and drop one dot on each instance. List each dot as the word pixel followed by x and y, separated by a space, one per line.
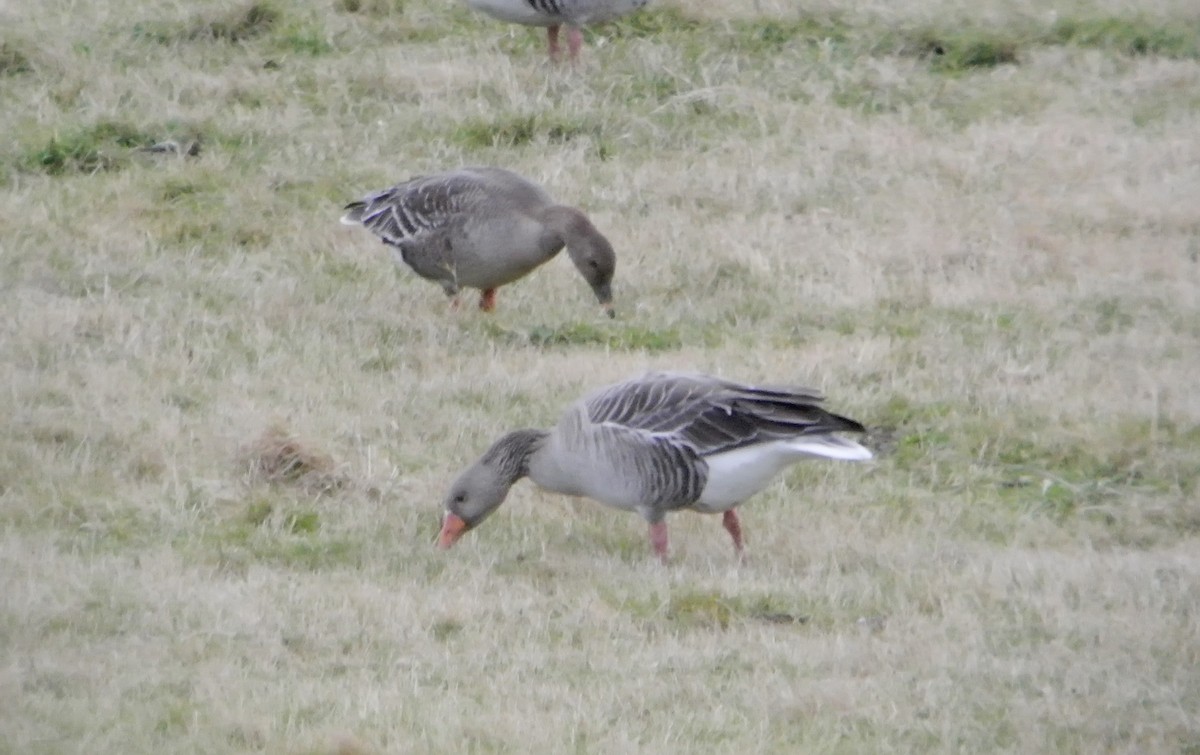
pixel 227 421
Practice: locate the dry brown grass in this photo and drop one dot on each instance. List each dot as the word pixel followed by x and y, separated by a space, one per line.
pixel 276 456
pixel 994 266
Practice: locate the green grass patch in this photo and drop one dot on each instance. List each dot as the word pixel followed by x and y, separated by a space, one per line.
pixel 240 24
pixel 13 60
pixel 302 522
pixel 1130 36
pixel 103 146
pixel 301 554
pixel 654 22
pixel 968 48
pixel 961 50
pixel 306 41
pixel 266 531
pixel 374 8
pixel 257 512
pixel 446 629
pixel 769 35
pixel 621 338
pixel 521 130
pixel 696 608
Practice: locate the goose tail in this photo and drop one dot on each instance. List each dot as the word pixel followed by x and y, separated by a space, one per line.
pixel 831 447
pixel 353 214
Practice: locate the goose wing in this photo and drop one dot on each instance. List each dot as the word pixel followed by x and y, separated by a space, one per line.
pixel 710 415
pixel 417 208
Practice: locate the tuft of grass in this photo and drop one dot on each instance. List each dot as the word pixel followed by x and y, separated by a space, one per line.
pixel 623 338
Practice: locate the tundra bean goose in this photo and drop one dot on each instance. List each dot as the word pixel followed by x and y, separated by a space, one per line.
pixel 655 444
pixel 483 228
pixel 554 13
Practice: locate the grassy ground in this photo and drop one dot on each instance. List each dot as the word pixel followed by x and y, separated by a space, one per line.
pixel 227 422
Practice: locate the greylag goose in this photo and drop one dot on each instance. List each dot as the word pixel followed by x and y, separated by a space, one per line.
pixel 655 444
pixel 554 13
pixel 482 228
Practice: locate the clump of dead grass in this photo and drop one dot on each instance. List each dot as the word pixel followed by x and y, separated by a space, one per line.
pixel 278 457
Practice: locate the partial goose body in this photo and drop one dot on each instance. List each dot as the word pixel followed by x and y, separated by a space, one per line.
pixel 482 227
pixel 552 14
pixel 660 443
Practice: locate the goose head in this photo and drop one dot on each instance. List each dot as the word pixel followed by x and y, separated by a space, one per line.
pixel 482 487
pixel 477 492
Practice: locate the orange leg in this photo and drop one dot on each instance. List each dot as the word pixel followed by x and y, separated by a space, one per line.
pixel 487 302
pixel 658 539
pixel 734 528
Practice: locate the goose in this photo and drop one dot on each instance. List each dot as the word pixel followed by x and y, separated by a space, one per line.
pixel 655 444
pixel 482 227
pixel 554 13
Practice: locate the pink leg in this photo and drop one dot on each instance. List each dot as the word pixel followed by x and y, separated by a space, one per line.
pixel 487 302
pixel 455 303
pixel 734 528
pixel 574 42
pixel 552 39
pixel 658 539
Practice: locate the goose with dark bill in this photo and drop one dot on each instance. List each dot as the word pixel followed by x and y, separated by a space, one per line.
pixel 483 228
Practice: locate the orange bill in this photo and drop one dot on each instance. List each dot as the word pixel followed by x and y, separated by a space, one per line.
pixel 453 527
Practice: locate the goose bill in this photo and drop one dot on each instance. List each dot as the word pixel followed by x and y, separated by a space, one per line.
pixel 453 527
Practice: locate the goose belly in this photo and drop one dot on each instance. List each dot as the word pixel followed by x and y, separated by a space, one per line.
pixel 734 476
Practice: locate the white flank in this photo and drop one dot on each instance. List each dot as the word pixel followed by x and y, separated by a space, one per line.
pixel 734 476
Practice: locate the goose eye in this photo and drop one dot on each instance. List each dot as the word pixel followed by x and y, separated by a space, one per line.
pixel 460 497
pixel 593 264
